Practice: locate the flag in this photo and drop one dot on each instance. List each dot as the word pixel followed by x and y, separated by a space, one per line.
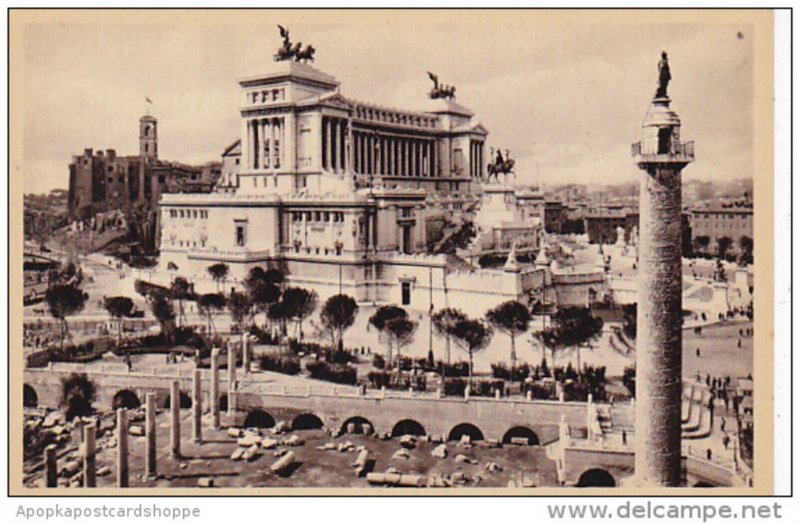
pixel 148 100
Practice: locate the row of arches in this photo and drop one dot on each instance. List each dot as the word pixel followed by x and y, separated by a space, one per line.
pixel 602 478
pixel 357 424
pixel 307 421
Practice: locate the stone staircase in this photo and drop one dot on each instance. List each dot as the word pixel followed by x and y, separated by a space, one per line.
pixel 695 419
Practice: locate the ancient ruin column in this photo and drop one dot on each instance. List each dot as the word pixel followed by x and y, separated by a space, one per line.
pixel 175 419
pixel 231 375
pixel 662 156
pixel 197 406
pixel 214 400
pixel 150 435
pixel 246 354
pixel 122 448
pixel 89 456
pixel 51 466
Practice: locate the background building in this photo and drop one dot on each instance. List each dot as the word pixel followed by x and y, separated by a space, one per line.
pixel 101 180
pixel 711 224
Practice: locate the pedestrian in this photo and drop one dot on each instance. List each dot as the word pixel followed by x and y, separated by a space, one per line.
pixel 624 437
pixel 722 425
pixel 697 351
pixel 708 454
pixel 725 441
pixel 739 343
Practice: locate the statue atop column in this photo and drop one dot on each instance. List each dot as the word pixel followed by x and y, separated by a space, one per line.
pixel 295 52
pixel 440 91
pixel 663 76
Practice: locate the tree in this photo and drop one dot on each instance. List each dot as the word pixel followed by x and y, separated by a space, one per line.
pixel 337 315
pixel 472 336
pixel 218 271
pixel 572 326
pixel 180 290
pixel 164 312
pixel 444 322
pixel 77 394
pixel 299 304
pixel 719 272
pixel 400 333
pixel 209 304
pixel 262 286
pixel 384 314
pixel 723 244
pixel 119 307
pixel 513 318
pixel 274 276
pixel 277 313
pixel 629 320
pixel 63 301
pixel 701 243
pixel 241 308
pixel 381 317
pixel 629 379
pixel 746 248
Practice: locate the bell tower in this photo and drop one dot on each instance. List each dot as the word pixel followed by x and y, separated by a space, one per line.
pixel 148 137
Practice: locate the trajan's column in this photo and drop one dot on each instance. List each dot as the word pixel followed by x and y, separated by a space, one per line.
pixel 662 156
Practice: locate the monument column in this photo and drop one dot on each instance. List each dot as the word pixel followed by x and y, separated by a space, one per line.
pixel 404 156
pixel 272 150
pixel 267 141
pixel 327 125
pixel 256 145
pixel 336 161
pixel 290 154
pixel 246 146
pixel 348 147
pixel 359 153
pixel 661 156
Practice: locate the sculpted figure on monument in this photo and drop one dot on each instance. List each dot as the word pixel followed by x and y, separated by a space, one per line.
pixel 287 51
pixel 663 76
pixel 306 54
pixel 440 91
pixel 500 165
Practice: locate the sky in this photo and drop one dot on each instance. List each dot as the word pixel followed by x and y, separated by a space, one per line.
pixel 565 93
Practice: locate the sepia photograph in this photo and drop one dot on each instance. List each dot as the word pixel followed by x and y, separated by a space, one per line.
pixel 451 252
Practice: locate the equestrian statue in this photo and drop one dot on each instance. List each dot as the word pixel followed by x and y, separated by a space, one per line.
pixel 500 165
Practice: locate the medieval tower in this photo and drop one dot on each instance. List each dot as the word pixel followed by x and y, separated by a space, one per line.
pixel 148 137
